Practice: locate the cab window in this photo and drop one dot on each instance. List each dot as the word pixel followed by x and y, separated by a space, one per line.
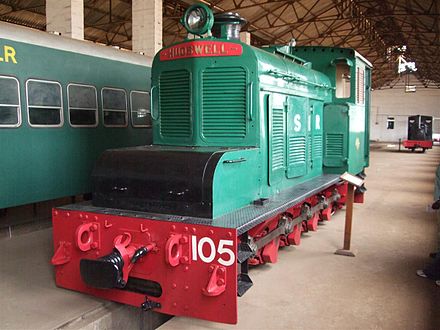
pixel 140 109
pixel 114 107
pixel 83 105
pixel 44 103
pixel 10 114
pixel 342 80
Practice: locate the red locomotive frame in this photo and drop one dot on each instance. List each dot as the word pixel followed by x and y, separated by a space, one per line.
pixel 189 287
pixel 193 268
pixel 413 144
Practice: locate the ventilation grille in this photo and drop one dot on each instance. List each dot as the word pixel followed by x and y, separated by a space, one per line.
pixel 360 86
pixel 317 146
pixel 175 101
pixel 297 150
pixel 277 139
pixel 224 103
pixel 334 145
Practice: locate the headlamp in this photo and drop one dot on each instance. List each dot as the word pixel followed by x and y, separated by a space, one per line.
pixel 198 19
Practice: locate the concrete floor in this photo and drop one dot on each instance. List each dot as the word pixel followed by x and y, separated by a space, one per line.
pixel 309 288
pixel 29 298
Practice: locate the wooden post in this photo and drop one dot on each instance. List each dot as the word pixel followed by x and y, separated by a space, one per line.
pixel 348 222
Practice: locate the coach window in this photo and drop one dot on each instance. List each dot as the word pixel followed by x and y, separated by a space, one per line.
pixel 140 109
pixel 114 107
pixel 44 103
pixel 83 105
pixel 10 110
pixel 342 80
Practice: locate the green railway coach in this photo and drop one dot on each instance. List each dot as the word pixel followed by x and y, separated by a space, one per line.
pixel 63 102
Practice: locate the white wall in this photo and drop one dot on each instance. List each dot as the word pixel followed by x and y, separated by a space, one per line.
pixel 394 102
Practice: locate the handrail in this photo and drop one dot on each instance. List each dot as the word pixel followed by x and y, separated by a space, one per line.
pixel 251 110
pixel 293 78
pixel 151 103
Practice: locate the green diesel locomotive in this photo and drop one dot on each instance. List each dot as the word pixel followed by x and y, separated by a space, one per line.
pixel 248 147
pixel 62 103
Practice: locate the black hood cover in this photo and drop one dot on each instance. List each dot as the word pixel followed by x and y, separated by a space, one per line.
pixel 156 180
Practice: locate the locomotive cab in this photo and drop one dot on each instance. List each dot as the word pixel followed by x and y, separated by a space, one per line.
pixel 346 116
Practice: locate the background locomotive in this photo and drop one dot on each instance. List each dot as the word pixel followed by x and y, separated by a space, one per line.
pixel 248 147
pixel 62 103
pixel 419 133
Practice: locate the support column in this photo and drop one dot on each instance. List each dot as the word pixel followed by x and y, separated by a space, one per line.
pixel 245 37
pixel 65 17
pixel 147 26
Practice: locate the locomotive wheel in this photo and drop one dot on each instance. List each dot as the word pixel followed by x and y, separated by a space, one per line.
pixel 423 150
pixel 334 209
